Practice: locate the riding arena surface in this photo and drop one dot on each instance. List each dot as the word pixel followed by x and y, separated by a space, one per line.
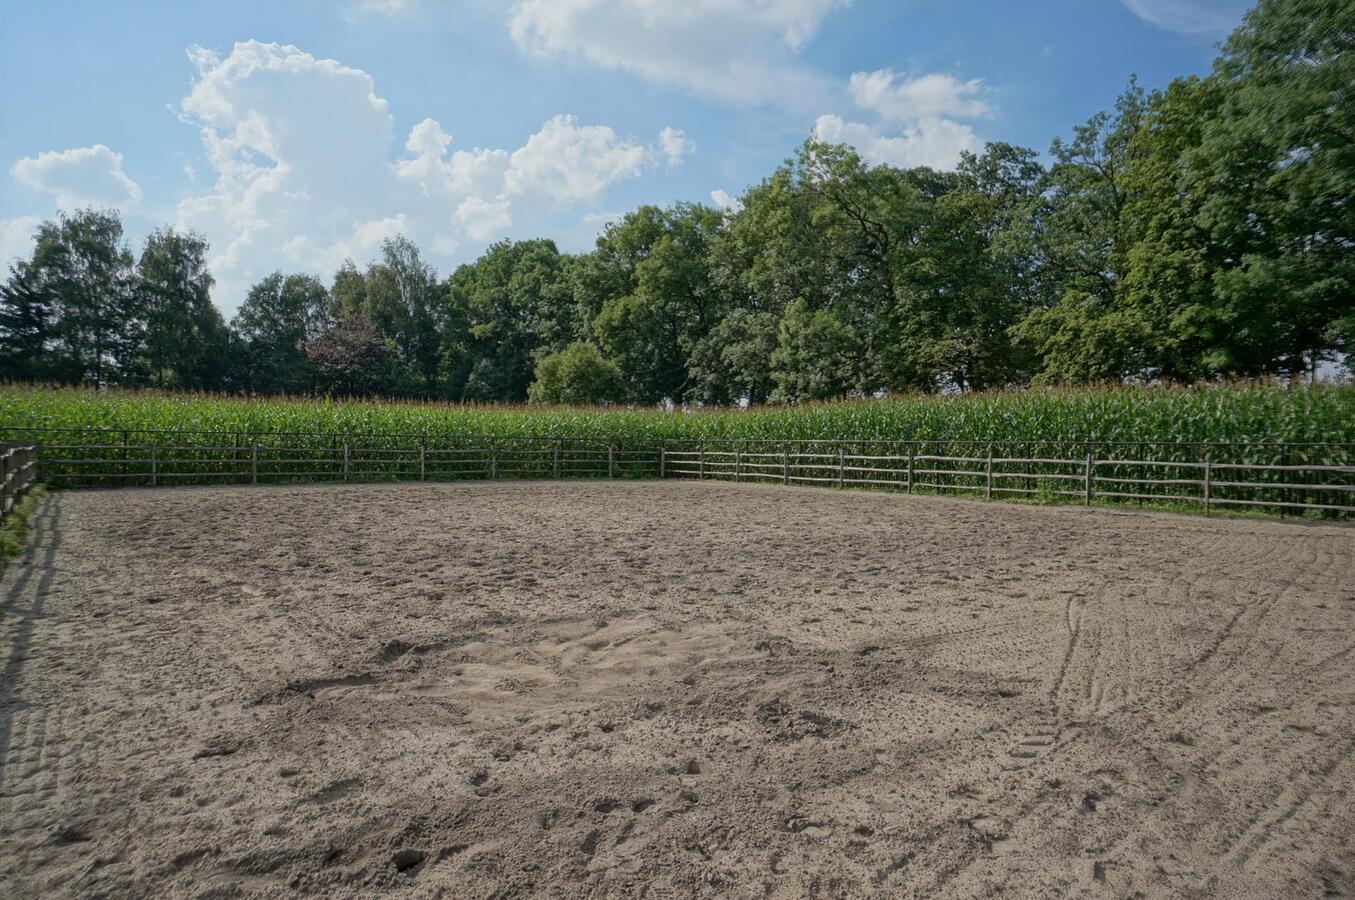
pixel 670 689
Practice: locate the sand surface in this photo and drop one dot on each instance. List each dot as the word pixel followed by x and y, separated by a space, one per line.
pixel 670 690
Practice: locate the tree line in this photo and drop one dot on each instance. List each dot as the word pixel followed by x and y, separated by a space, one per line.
pixel 1200 231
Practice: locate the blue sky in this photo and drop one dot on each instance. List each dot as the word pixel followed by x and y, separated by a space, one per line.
pixel 294 135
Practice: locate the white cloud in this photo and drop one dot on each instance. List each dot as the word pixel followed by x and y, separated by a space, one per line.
pixel 931 141
pixel 299 146
pixel 16 240
pixel 85 176
pixel 301 154
pixel 571 162
pixel 484 219
pixel 906 99
pixel 724 201
pixel 389 7
pixel 675 145
pixel 1208 18
pixel 733 52
pixel 917 118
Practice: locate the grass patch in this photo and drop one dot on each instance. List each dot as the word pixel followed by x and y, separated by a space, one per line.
pixel 15 530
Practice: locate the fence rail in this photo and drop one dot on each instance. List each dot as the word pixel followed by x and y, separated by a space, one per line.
pixel 18 473
pixel 1285 479
pixel 1105 474
pixel 72 464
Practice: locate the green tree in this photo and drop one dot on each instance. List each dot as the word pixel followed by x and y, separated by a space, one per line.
pixel 838 235
pixel 1278 170
pixel 26 317
pixel 658 299
pixel 279 316
pixel 971 276
pixel 74 302
pixel 1085 334
pixel 578 374
pixel 733 362
pixel 501 313
pixel 348 292
pixel 402 298
pixel 186 338
pixel 816 356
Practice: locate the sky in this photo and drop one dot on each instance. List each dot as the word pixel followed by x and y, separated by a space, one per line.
pixel 295 135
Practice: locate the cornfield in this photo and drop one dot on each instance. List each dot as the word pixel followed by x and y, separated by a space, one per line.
pixel 1251 413
pixel 300 439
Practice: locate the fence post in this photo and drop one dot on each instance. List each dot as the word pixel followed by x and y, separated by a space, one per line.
pixel 663 460
pixel 254 463
pixel 4 482
pixel 910 470
pixel 493 462
pixel 1088 480
pixel 701 462
pixel 1285 494
pixel 841 464
pixel 611 465
pixel 154 464
pixel 738 465
pixel 423 459
pixel 555 462
pixel 1208 482
pixel 345 460
pixel 990 472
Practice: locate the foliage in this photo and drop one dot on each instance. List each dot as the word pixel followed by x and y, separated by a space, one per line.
pixel 578 374
pixel 17 525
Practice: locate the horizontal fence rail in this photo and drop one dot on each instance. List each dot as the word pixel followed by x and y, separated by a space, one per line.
pixel 1285 479
pixel 1310 479
pixel 92 464
pixel 18 473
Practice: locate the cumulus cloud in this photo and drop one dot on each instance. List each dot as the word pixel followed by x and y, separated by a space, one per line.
pixel 733 52
pixel 905 99
pixel 1207 18
pixel 84 176
pixel 724 201
pixel 571 162
pixel 301 149
pixel 916 118
pixel 931 141
pixel 675 145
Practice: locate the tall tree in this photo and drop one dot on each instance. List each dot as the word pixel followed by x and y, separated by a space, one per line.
pixel 279 316
pixel 75 300
pixel 972 275
pixel 403 293
pixel 27 311
pixel 186 338
pixel 502 313
pixel 1086 334
pixel 1278 164
pixel 654 295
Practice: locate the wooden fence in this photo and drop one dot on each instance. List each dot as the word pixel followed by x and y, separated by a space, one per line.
pixel 1115 475
pixel 18 473
pixel 1284 479
pixel 82 464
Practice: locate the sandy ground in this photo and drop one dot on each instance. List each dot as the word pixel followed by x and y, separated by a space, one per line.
pixel 671 690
